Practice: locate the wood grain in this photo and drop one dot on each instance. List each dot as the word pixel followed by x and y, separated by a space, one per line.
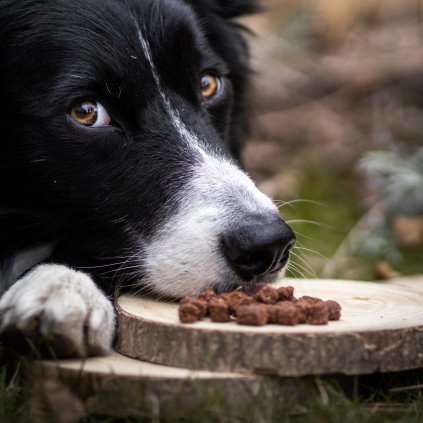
pixel 115 385
pixel 381 329
pixel 414 283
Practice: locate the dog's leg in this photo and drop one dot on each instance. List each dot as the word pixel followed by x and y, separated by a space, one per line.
pixel 60 307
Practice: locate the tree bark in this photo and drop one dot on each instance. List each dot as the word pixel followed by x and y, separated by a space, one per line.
pixel 64 391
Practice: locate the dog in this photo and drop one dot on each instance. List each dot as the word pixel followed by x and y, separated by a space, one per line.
pixel 121 123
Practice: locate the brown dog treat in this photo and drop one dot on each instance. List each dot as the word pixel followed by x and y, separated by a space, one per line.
pixel 235 295
pixel 197 302
pixel 225 296
pixel 267 295
pixel 207 295
pixel 288 308
pixel 334 309
pixel 238 299
pixel 271 312
pixel 309 299
pixel 219 310
pixel 268 305
pixel 189 312
pixel 202 306
pixel 187 300
pixel 301 307
pixel 286 314
pixel 243 302
pixel 286 293
pixel 317 313
pixel 254 315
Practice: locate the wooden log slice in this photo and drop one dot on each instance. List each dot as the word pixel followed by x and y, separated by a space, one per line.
pixel 115 385
pixel 409 282
pixel 381 330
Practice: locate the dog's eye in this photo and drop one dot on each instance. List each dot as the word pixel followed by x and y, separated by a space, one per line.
pixel 211 85
pixel 89 113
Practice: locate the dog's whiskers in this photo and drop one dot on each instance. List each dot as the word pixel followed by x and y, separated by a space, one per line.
pixel 113 257
pixel 310 222
pixel 302 235
pixel 301 269
pixel 296 269
pixel 299 247
pixel 305 263
pixel 100 266
pixel 121 269
pixel 283 203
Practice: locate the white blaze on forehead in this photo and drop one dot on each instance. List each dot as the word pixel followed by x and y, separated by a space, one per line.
pixel 216 169
pixel 184 132
pixel 184 257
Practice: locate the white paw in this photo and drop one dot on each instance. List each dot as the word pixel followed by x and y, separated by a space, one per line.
pixel 59 307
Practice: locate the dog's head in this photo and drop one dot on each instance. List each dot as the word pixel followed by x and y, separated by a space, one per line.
pixel 119 119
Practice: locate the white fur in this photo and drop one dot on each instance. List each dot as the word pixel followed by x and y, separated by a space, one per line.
pixel 54 301
pixel 184 256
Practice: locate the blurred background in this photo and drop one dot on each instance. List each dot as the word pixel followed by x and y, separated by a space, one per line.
pixel 337 132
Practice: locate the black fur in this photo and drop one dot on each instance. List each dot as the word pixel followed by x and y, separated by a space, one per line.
pixel 77 190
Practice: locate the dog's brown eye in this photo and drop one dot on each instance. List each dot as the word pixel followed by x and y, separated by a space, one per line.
pixel 89 113
pixel 210 85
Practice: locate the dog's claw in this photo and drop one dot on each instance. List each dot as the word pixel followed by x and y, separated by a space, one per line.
pixel 60 309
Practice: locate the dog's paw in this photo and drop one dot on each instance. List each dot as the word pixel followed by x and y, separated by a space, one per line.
pixel 60 308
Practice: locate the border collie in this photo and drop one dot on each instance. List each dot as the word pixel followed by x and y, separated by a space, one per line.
pixel 120 122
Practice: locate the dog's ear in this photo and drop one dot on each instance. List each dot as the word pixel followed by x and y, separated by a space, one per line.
pixel 227 39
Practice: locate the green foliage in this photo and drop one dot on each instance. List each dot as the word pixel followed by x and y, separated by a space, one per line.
pixel 340 237
pixel 397 180
pixel 322 222
pixel 14 403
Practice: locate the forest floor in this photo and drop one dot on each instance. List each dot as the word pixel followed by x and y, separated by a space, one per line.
pixel 334 83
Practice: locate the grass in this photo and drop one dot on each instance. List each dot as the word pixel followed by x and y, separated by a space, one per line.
pixel 336 407
pixel 14 402
pixel 364 399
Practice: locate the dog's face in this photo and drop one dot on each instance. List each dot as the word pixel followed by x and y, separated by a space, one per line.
pixel 118 118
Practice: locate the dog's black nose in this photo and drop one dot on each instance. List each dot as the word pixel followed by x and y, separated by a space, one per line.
pixel 258 246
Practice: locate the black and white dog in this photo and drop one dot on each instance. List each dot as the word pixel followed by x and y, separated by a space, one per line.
pixel 118 121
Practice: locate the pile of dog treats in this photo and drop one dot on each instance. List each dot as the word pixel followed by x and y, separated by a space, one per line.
pixel 268 305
